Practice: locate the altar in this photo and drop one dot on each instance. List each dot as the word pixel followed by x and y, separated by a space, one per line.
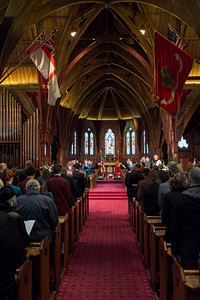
pixel 109 166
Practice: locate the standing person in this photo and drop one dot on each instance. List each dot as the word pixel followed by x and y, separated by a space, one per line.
pixel 178 184
pixel 60 189
pixel 80 178
pixel 186 223
pixel 38 207
pixel 12 244
pixel 30 174
pixel 73 186
pixel 165 186
pixel 142 184
pixel 157 161
pixel 133 179
pixel 150 195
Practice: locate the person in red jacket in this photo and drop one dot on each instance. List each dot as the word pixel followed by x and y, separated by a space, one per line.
pixel 60 189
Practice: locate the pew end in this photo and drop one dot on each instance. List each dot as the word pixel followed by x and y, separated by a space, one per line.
pixel 64 223
pixel 24 281
pixel 165 270
pixel 39 255
pixel 186 283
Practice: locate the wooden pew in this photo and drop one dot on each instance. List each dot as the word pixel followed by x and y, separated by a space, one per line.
pixel 24 281
pixel 39 255
pixel 64 223
pixel 133 214
pixel 87 204
pixel 141 229
pixel 83 208
pixel 147 220
pixel 165 265
pixel 76 221
pixel 71 229
pixel 56 256
pixel 156 232
pixel 186 283
pixel 80 214
pixel 137 227
pixel 130 212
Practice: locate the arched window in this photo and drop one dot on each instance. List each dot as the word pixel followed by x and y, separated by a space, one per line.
pixel 89 142
pixel 73 148
pixel 146 146
pixel 130 141
pixel 110 142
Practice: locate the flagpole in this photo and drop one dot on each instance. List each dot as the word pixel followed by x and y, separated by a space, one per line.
pixel 43 42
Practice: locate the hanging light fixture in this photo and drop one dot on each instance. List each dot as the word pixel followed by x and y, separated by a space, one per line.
pixel 142 29
pixel 73 31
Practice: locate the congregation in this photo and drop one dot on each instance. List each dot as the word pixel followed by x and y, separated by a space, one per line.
pixel 43 195
pixel 172 193
pixel 32 194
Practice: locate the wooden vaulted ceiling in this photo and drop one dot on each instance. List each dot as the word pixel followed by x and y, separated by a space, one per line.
pixel 106 71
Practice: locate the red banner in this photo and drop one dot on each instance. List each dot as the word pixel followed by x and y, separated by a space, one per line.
pixel 42 57
pixel 172 66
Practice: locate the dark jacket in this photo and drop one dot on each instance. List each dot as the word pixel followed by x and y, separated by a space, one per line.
pixel 150 198
pixel 12 254
pixel 131 182
pixel 172 201
pixel 80 178
pixel 42 209
pixel 186 221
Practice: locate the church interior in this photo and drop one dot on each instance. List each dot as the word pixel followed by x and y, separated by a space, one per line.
pixel 105 72
pixel 83 80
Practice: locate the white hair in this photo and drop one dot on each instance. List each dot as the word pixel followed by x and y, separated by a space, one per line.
pixel 33 183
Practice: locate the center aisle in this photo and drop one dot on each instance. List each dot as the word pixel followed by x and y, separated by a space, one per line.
pixel 106 263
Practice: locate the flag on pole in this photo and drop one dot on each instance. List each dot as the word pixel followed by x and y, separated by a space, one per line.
pixel 176 38
pixel 103 169
pixel 42 53
pixel 117 167
pixel 172 66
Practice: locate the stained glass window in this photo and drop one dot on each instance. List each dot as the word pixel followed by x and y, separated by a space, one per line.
pixel 128 144
pixel 109 142
pixel 146 146
pixel 133 142
pixel 130 141
pixel 89 142
pixel 73 148
pixel 86 143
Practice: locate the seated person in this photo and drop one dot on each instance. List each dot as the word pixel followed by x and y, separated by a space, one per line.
pixel 38 207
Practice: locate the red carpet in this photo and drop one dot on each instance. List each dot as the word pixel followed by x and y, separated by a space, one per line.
pixel 106 264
